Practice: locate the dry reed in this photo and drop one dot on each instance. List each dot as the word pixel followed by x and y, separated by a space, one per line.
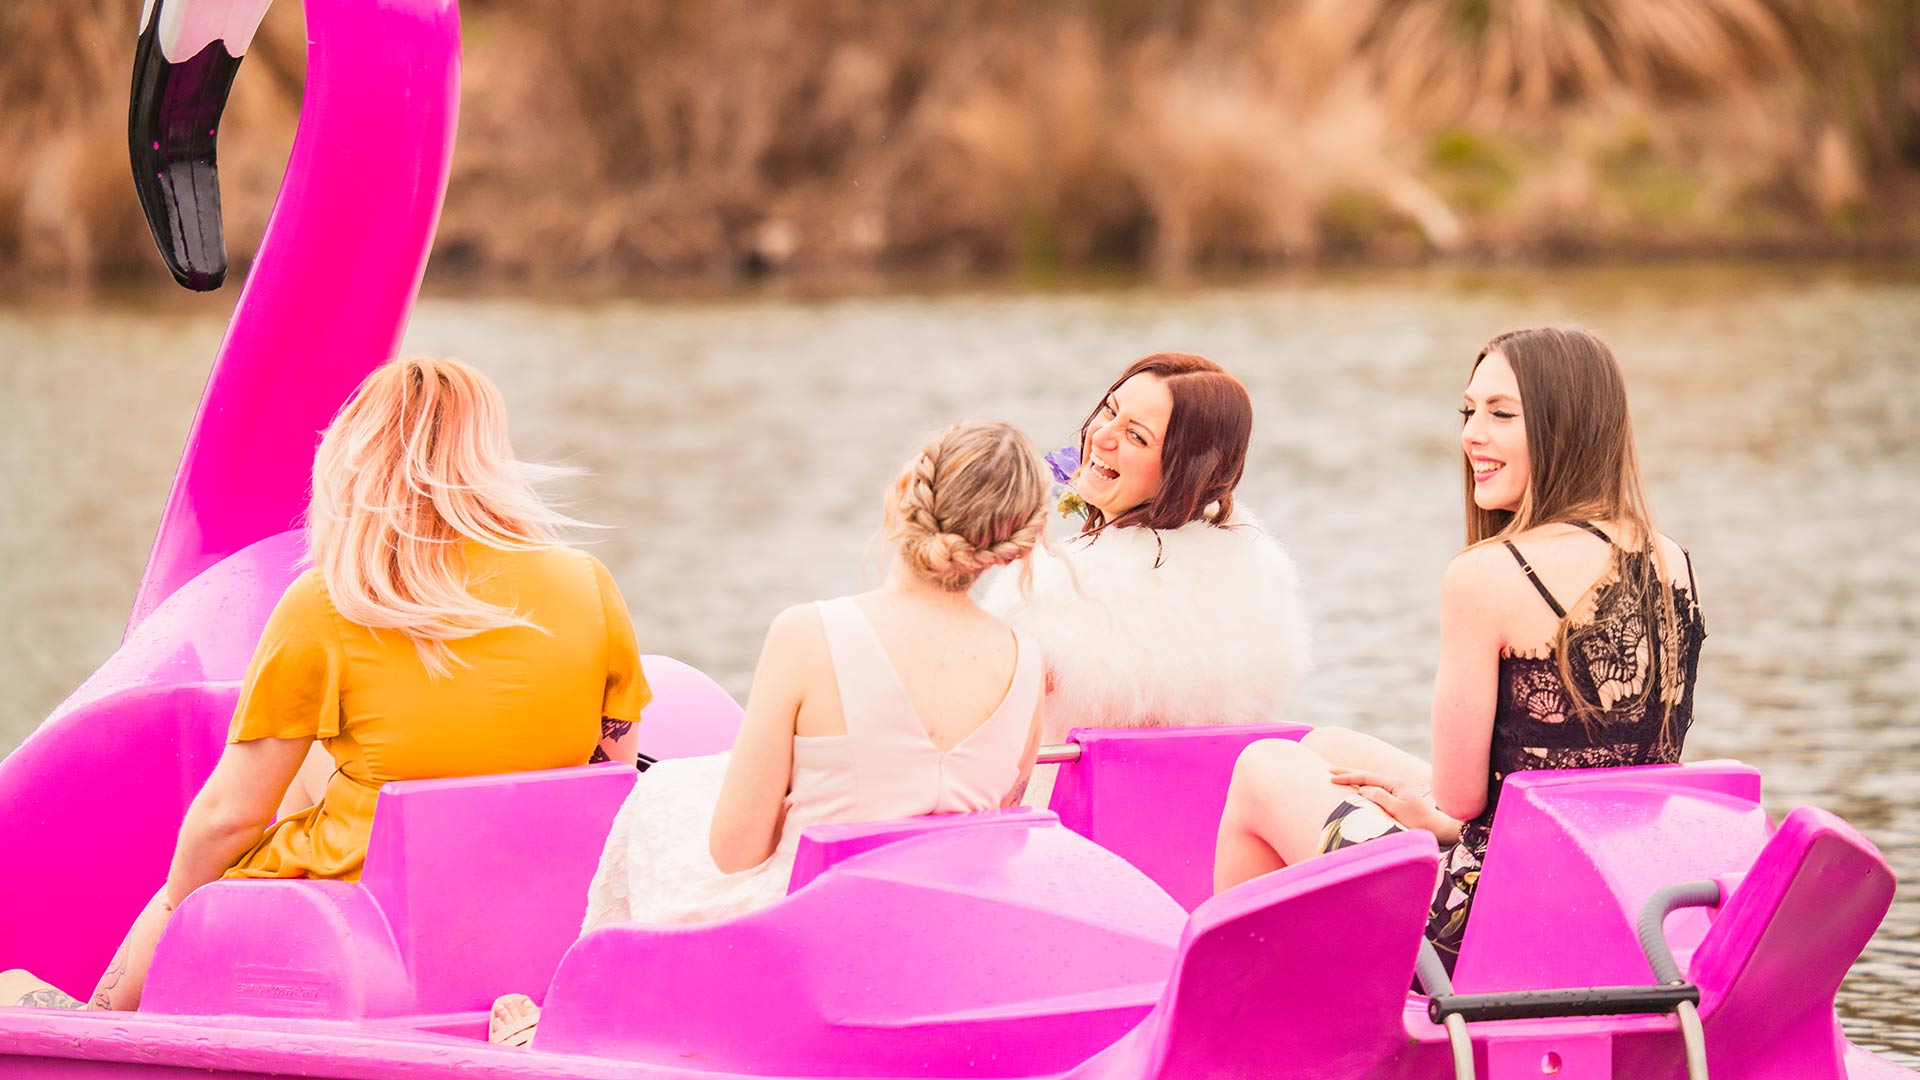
pixel 617 139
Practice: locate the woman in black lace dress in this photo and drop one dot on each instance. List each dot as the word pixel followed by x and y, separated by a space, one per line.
pixel 1570 637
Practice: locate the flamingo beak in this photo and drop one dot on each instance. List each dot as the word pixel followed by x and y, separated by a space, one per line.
pixel 183 69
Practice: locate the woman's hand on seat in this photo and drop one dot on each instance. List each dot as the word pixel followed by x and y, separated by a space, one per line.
pixel 1409 804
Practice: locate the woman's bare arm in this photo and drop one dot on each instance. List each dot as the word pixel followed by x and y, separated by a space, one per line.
pixel 232 810
pixel 746 821
pixel 1027 755
pixel 617 742
pixel 1465 689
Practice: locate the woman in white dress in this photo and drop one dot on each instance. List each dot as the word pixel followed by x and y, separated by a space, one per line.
pixel 1173 606
pixel 903 701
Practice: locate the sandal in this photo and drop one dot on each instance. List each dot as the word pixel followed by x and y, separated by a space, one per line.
pixel 514 1032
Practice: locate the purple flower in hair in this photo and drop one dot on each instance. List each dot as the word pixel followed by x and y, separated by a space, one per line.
pixel 1064 462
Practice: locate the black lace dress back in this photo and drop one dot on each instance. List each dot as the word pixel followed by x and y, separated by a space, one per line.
pixel 1640 684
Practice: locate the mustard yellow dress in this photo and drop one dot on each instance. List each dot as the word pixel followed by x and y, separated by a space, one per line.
pixel 525 699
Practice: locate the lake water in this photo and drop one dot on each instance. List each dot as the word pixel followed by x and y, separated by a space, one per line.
pixel 738 449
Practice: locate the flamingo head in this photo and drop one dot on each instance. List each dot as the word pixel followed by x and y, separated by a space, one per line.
pixel 183 69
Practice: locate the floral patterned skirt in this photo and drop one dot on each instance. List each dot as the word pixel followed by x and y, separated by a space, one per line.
pixel 1358 820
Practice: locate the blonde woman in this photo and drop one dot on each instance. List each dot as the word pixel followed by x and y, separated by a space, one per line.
pixel 442 631
pixel 903 701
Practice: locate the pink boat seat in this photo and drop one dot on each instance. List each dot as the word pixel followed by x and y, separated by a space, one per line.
pixel 991 945
pixel 472 888
pixel 1582 850
pixel 1301 972
pixel 689 716
pixel 1154 796
pixel 1769 966
pixel 824 846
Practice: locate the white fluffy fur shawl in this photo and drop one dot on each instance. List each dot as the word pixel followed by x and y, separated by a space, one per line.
pixel 1213 635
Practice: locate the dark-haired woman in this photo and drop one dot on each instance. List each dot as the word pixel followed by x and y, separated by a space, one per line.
pixel 1172 606
pixel 1570 634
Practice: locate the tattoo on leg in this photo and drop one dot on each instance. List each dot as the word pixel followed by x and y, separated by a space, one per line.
pixel 117 970
pixel 49 999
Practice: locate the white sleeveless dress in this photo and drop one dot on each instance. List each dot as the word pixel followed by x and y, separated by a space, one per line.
pixel 656 867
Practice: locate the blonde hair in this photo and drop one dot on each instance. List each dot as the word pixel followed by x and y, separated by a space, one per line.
pixel 972 498
pixel 415 463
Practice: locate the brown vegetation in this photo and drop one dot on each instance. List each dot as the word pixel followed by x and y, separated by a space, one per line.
pixel 633 138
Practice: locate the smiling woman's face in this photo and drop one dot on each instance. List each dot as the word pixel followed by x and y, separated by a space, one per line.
pixel 1122 466
pixel 1494 435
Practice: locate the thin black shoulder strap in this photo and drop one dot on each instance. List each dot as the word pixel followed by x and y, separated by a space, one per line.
pixel 1693 590
pixel 1595 530
pixel 1535 578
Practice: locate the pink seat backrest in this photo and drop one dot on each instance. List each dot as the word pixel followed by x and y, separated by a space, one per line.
pixel 484 879
pixel 999 947
pixel 1153 796
pixel 824 846
pixel 690 714
pixel 1301 972
pixel 472 888
pixel 1575 854
pixel 1774 957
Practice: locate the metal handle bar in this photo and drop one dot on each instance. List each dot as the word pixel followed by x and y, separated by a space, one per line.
pixel 1058 754
pixel 1674 994
pixel 1432 973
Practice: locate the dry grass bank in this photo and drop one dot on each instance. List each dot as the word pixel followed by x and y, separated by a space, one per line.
pixel 614 139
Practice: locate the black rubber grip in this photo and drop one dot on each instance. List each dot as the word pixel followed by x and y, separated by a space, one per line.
pixel 1544 1004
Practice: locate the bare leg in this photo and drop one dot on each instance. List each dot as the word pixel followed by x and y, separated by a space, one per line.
pixel 119 988
pixel 23 989
pixel 1349 749
pixel 1277 807
pixel 309 784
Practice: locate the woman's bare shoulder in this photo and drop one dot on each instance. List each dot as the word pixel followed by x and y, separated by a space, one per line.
pixel 1478 566
pixel 1675 559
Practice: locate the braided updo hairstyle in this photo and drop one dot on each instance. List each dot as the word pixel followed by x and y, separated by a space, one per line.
pixel 972 498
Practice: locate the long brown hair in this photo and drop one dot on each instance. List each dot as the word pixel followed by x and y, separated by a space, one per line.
pixel 1582 466
pixel 1203 451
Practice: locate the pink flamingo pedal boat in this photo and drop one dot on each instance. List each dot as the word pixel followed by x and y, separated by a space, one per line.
pixel 1648 922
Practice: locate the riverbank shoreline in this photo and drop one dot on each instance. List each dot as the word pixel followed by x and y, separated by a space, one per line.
pixel 619 145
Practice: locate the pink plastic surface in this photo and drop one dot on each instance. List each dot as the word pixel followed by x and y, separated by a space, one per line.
pixel 1329 987
pixel 1592 845
pixel 824 846
pixel 90 803
pixel 328 298
pixel 1010 948
pixel 473 888
pixel 1770 965
pixel 1047 954
pixel 1154 795
pixel 689 716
